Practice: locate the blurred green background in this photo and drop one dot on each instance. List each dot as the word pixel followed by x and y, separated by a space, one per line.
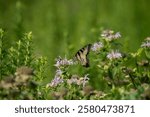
pixel 61 27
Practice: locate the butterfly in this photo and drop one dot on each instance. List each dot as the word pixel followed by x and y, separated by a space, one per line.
pixel 82 55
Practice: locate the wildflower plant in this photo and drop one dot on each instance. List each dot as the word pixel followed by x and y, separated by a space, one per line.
pixel 113 73
pixel 72 84
pixel 110 69
pixel 21 71
pixel 97 46
pixel 110 35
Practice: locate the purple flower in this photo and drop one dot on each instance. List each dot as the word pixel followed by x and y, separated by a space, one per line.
pixel 63 62
pixel 110 35
pixel 59 72
pixel 97 46
pixel 56 81
pixel 114 55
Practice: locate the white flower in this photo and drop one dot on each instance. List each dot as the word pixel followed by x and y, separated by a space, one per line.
pixel 110 35
pixel 146 44
pixel 117 35
pixel 114 55
pixel 97 46
pixel 85 79
pixel 147 39
pixel 62 62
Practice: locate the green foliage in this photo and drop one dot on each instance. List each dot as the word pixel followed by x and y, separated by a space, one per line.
pixel 17 81
pixel 60 29
pixel 66 25
pixel 108 77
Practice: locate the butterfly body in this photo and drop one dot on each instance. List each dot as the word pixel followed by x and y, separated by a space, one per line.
pixel 82 54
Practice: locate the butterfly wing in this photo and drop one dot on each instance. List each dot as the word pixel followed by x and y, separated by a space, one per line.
pixel 82 54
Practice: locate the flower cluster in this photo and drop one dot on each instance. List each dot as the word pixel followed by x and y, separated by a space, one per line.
pixel 78 80
pixel 85 80
pixel 97 46
pixel 75 79
pixel 114 55
pixel 57 79
pixel 21 77
pixel 13 86
pixel 110 35
pixel 147 39
pixel 63 62
pixel 23 74
pixel 146 44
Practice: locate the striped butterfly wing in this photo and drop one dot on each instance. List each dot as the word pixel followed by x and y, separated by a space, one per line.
pixel 82 55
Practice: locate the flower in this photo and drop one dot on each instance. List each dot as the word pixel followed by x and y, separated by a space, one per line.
pixel 23 74
pixel 78 80
pixel 97 46
pixel 114 55
pixel 72 81
pixel 62 62
pixel 85 79
pixel 146 44
pixel 6 85
pixel 110 35
pixel 56 81
pixel 147 39
pixel 24 70
pixel 59 72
